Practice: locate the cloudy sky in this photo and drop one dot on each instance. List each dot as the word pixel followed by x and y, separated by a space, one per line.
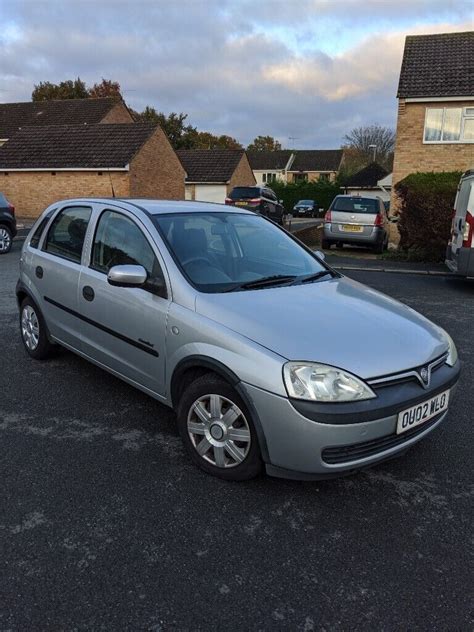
pixel 308 70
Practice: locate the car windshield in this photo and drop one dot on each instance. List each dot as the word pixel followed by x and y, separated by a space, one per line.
pixel 244 193
pixel 305 202
pixel 221 252
pixel 355 205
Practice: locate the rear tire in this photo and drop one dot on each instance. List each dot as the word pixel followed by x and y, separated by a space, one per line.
pixel 6 239
pixel 325 244
pixel 339 245
pixel 33 331
pixel 379 248
pixel 217 429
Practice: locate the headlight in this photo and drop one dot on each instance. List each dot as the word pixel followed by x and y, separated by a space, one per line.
pixel 452 351
pixel 323 383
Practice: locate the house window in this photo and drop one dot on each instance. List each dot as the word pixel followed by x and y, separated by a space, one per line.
pixel 324 177
pixel 449 125
pixel 300 177
pixel 269 177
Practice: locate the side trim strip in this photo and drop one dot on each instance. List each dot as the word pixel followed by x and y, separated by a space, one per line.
pixel 111 332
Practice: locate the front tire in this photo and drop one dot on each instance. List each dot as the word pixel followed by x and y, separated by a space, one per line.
pixel 6 239
pixel 33 331
pixel 217 430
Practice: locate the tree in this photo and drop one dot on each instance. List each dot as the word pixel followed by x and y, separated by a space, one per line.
pixel 206 140
pixel 360 139
pixel 181 136
pixel 45 90
pixel 264 143
pixel 106 88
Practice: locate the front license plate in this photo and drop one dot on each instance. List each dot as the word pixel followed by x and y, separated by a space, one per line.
pixel 417 415
pixel 352 228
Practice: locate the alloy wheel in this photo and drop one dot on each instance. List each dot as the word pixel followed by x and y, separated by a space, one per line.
pixel 5 240
pixel 30 327
pixel 219 431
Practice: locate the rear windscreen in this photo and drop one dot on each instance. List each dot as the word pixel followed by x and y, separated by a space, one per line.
pixel 244 193
pixel 355 205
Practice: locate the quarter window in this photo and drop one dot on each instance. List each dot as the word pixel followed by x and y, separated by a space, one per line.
pixel 34 241
pixel 449 125
pixel 119 241
pixel 68 230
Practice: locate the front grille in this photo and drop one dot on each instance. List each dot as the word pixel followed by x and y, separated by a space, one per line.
pixel 411 375
pixel 356 451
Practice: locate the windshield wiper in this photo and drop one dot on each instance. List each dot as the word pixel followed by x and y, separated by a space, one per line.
pixel 313 277
pixel 275 279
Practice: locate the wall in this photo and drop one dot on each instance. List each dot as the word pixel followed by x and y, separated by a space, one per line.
pixel 313 176
pixel 411 155
pixel 156 171
pixel 118 114
pixel 32 191
pixel 242 176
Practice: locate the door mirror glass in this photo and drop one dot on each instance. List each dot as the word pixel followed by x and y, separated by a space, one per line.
pixel 127 276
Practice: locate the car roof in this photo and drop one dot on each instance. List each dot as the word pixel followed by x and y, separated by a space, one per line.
pixel 158 207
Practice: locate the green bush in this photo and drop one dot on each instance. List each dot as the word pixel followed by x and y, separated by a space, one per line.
pixel 426 210
pixel 322 192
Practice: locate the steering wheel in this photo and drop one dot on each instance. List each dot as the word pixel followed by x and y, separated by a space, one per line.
pixel 195 259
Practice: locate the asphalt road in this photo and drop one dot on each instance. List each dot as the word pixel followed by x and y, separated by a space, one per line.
pixel 105 525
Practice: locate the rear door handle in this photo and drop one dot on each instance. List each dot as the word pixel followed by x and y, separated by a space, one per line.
pixel 88 293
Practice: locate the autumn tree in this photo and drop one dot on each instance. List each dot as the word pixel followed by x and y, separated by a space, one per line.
pixel 106 88
pixel 45 90
pixel 362 140
pixel 264 143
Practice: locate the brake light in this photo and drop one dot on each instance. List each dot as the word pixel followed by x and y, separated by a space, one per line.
pixel 254 201
pixel 378 220
pixel 229 201
pixel 327 217
pixel 12 208
pixel 467 238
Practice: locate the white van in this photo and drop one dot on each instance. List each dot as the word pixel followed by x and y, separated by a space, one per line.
pixel 460 252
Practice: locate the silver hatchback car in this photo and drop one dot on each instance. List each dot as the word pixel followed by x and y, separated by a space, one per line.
pixel 361 221
pixel 268 356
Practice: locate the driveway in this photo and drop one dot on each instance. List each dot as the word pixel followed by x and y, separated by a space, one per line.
pixel 104 523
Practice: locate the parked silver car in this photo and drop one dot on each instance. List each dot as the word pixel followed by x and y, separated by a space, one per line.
pixel 268 356
pixel 361 221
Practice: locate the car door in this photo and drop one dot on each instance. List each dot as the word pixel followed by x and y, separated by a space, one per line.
pixel 271 203
pixel 56 269
pixel 124 328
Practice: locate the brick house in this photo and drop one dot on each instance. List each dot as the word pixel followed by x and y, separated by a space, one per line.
pixel 212 173
pixel 41 164
pixel 305 165
pixel 15 116
pixel 435 126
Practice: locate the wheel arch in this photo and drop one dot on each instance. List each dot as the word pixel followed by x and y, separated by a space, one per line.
pixel 191 367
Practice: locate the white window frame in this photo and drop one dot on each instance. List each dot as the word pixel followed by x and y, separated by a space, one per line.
pixel 464 117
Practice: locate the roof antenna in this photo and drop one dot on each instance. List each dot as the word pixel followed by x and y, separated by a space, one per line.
pixel 111 184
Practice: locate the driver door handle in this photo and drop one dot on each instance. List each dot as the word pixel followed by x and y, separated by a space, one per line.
pixel 88 293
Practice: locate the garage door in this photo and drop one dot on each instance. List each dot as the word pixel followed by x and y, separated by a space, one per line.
pixel 210 193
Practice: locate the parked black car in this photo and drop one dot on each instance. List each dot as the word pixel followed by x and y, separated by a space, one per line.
pixel 308 208
pixel 7 224
pixel 258 199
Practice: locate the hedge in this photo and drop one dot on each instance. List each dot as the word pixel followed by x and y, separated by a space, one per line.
pixel 322 192
pixel 426 211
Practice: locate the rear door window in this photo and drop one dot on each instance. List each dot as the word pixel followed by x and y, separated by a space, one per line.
pixel 356 205
pixel 67 233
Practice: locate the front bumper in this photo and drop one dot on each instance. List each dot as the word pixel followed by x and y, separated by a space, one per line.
pixel 329 445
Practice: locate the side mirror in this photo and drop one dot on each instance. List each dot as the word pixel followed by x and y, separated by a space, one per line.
pixel 280 201
pixel 320 254
pixel 127 276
